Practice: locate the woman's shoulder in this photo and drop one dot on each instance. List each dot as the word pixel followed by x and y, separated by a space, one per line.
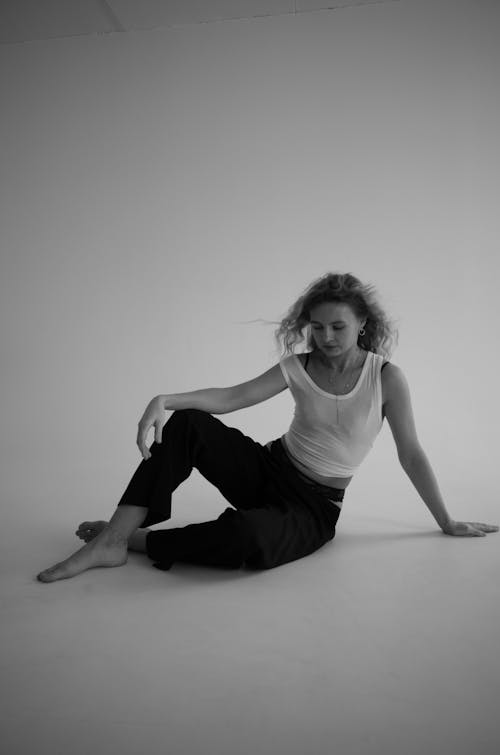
pixel 387 370
pixel 392 376
pixel 291 357
pixel 388 366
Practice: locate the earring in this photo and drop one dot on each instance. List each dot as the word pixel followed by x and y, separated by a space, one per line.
pixel 362 332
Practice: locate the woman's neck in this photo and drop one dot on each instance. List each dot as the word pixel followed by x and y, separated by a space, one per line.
pixel 348 363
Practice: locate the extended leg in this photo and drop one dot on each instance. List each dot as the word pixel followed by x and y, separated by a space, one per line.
pixel 259 538
pixel 226 542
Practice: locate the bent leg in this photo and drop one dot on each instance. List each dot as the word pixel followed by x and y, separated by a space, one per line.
pixel 230 460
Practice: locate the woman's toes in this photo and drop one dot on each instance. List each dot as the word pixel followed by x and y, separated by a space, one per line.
pixel 49 575
pixel 87 557
pixel 89 530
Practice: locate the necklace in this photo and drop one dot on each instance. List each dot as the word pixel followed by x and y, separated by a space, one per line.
pixel 332 378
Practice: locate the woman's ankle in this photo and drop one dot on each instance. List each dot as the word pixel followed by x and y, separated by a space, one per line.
pixel 137 540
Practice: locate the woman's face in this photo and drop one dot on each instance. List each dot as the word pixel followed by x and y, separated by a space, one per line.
pixel 334 324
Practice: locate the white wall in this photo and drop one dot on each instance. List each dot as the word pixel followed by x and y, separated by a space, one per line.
pixel 161 187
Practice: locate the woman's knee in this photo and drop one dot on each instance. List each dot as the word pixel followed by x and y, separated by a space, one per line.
pixel 181 417
pixel 189 414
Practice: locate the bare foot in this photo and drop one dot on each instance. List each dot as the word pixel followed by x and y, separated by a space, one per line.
pixel 102 551
pixel 89 530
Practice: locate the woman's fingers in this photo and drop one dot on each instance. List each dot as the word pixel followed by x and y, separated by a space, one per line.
pixel 141 439
pixel 478 529
pixel 464 529
pixel 484 527
pixel 469 530
pixel 154 416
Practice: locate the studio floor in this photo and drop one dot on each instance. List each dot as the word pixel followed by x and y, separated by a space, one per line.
pixel 383 641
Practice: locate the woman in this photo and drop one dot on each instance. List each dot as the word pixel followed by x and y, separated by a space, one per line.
pixel 286 496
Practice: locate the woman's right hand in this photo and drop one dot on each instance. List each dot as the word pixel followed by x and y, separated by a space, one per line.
pixel 154 415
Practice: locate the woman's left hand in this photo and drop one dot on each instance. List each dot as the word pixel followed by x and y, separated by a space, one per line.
pixel 468 529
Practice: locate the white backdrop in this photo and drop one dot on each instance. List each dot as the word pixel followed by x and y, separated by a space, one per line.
pixel 162 187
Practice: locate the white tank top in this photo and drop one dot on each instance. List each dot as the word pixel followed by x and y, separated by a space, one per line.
pixel 329 434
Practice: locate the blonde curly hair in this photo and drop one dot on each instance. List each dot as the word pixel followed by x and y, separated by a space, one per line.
pixel 381 334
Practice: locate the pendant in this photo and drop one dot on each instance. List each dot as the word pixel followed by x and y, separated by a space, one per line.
pixel 331 380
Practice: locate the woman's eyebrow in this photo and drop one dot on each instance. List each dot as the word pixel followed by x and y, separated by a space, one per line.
pixel 332 323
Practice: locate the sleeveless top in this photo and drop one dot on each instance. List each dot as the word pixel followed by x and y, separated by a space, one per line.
pixel 330 434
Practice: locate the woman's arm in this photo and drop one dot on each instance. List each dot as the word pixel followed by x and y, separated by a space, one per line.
pixel 423 478
pixel 413 458
pixel 225 400
pixel 211 400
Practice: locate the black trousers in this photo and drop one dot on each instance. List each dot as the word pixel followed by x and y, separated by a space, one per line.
pixel 278 515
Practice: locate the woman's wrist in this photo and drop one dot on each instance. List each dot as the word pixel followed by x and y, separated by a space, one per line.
pixel 446 524
pixel 166 401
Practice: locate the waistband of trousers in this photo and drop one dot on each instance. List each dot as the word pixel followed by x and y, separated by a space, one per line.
pixel 336 495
